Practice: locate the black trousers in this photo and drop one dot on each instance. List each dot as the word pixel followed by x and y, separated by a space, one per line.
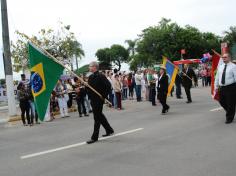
pixel 228 100
pixel 99 119
pixel 162 98
pixel 178 89
pixel 153 96
pixel 188 93
pixel 70 101
pixel 131 91
pixel 80 104
pixel 150 94
pixel 25 109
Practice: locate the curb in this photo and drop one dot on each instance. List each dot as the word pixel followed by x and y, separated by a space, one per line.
pixel 15 118
pixel 18 117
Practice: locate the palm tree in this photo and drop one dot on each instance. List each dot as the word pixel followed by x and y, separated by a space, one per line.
pixel 78 52
pixel 131 46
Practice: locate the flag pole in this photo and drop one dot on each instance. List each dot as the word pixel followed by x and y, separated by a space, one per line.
pixel 216 52
pixel 71 72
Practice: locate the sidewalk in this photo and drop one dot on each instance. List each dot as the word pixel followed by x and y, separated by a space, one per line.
pixel 4 117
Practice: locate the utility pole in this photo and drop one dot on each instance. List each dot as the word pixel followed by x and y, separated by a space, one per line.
pixel 7 60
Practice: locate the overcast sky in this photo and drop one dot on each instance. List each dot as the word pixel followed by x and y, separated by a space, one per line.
pixel 101 23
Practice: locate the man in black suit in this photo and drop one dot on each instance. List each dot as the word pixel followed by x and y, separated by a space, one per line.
pixel 187 76
pixel 225 83
pixel 101 84
pixel 162 88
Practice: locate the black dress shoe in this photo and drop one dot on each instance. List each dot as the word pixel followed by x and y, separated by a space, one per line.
pixel 179 97
pixel 167 109
pixel 108 134
pixel 228 121
pixel 188 101
pixel 163 112
pixel 91 141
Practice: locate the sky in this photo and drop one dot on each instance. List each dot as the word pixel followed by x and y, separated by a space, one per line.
pixel 102 23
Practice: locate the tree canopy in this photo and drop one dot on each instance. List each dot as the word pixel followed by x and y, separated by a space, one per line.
pixel 62 44
pixel 116 55
pixel 168 38
pixel 230 38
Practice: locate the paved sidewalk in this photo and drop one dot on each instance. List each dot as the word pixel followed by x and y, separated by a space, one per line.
pixel 4 117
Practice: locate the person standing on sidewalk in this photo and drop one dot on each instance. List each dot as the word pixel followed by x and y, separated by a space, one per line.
pixel 117 90
pixel 61 93
pixel 101 84
pixel 80 95
pixel 225 82
pixel 23 97
pixel 138 79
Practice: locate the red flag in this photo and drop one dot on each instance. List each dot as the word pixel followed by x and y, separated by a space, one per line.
pixel 215 61
pixel 187 61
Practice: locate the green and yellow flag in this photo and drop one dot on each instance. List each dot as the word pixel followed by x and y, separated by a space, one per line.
pixel 45 73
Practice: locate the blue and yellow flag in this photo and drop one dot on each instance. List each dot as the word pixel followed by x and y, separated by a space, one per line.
pixel 171 71
pixel 45 73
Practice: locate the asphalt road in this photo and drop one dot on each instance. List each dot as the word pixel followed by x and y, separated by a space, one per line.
pixel 190 140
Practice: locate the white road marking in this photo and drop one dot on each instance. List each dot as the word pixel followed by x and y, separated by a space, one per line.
pixel 217 109
pixel 76 145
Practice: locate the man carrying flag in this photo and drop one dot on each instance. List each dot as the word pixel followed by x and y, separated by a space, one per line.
pixel 103 86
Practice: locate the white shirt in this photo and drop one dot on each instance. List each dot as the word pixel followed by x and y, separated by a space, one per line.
pixel 109 79
pixel 159 78
pixel 138 79
pixel 230 74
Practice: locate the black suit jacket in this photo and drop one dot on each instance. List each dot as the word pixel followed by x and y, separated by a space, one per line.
pixel 100 83
pixel 162 86
pixel 185 80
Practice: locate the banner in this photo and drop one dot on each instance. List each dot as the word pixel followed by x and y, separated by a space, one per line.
pixel 45 73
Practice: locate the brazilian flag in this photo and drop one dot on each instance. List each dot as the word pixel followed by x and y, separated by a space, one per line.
pixel 45 73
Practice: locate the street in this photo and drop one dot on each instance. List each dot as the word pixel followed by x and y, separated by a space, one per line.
pixel 190 140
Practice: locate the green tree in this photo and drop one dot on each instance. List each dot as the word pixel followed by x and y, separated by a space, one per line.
pixel 104 55
pixel 168 38
pixel 19 55
pixel 116 54
pixel 2 82
pixel 230 35
pixel 230 38
pixel 62 44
